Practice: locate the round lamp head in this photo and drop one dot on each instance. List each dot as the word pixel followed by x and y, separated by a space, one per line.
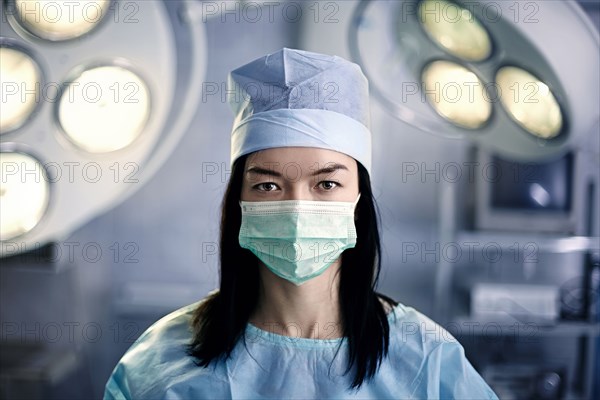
pixel 514 84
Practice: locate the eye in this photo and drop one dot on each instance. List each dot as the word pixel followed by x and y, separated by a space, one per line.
pixel 266 187
pixel 329 185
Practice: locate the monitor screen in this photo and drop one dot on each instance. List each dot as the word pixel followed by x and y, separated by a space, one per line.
pixel 531 186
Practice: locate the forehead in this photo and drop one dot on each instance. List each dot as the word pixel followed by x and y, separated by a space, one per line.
pixel 303 156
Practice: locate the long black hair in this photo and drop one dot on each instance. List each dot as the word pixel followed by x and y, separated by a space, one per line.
pixel 220 321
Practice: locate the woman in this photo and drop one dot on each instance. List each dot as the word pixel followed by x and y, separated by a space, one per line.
pixel 296 315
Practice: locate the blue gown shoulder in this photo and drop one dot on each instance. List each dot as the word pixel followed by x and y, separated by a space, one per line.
pixel 424 361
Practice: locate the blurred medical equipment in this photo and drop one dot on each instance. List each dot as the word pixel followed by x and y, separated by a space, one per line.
pixel 538 303
pixel 496 73
pixel 526 381
pixel 95 96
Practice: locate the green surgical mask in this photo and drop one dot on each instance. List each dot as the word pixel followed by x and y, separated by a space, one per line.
pixel 297 239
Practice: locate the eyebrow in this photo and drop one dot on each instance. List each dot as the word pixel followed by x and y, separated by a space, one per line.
pixel 262 171
pixel 330 169
pixel 327 170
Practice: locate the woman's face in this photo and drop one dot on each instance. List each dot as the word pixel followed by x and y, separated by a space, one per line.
pixel 300 173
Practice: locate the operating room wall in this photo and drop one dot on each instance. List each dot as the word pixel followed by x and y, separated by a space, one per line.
pixel 159 247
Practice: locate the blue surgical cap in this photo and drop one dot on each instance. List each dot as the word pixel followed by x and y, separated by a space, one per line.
pixel 300 99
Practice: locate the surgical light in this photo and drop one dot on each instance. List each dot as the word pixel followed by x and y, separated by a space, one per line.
pixel 507 49
pixel 455 29
pixel 529 102
pixel 106 102
pixel 24 194
pixel 60 19
pixel 20 85
pixel 456 94
pixel 104 109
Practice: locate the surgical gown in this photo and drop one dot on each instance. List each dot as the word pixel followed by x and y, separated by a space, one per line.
pixel 424 362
